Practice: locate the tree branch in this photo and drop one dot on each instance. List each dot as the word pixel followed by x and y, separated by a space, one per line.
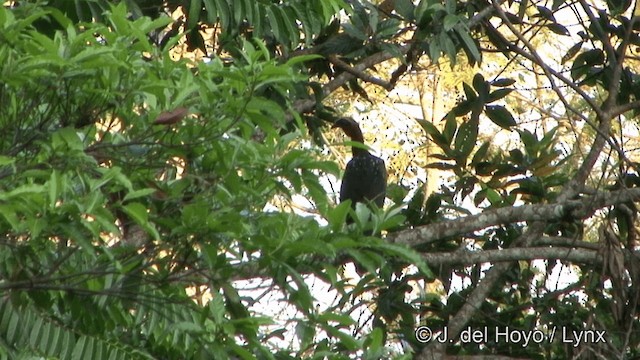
pixel 359 74
pixel 466 257
pixel 570 209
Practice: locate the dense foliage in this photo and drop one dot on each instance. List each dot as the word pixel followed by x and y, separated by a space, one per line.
pixel 154 156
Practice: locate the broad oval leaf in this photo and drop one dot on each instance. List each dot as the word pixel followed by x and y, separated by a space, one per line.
pixel 503 82
pixel 546 13
pixel 559 29
pixel 498 94
pixel 500 116
pixel 466 138
pixel 572 52
pixel 480 85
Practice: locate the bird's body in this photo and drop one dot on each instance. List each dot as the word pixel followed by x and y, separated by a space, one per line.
pixel 365 177
pixel 364 180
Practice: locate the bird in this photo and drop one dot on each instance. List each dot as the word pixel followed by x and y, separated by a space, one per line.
pixel 365 176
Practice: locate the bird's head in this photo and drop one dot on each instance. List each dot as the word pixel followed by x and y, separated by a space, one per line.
pixel 350 127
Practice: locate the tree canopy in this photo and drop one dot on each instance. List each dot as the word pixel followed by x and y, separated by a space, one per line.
pixel 167 179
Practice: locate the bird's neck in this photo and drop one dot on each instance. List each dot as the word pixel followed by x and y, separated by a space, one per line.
pixel 356 151
pixel 356 135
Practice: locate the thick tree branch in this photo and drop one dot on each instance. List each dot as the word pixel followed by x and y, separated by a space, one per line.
pixel 466 257
pixel 558 241
pixel 623 108
pixel 572 209
pixel 468 224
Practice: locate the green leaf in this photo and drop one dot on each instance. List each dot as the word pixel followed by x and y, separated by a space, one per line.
pixel 437 137
pixel 434 51
pixel 559 29
pixel 466 139
pixel 139 214
pixel 480 85
pixel 392 219
pixel 346 340
pixel 305 332
pixel 481 153
pixel 397 193
pixel 156 24
pixel 450 128
pixel 212 11
pixel 469 43
pixel 55 187
pixel 341 319
pixel 463 108
pixel 450 20
pixel 239 12
pixel 530 141
pixel 111 174
pixel 407 254
pixel 6 160
pixel 548 138
pixel 498 94
pixel 13 329
pixel 406 9
pixel 187 326
pixel 572 52
pixel 338 215
pixel 92 56
pixel 362 214
pixel 374 342
pixel 493 197
pixel 546 13
pixel 449 46
pixel 22 191
pixel 9 214
pixel 138 193
pixel 500 116
pixel 617 7
pixel 224 13
pixel 277 24
pixel 259 17
pixel 59 16
pixel 67 137
pixel 290 22
pixel 355 32
pixel 504 82
pixel 468 90
pixel 301 59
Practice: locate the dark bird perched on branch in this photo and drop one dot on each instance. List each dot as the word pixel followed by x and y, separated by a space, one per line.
pixel 365 177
